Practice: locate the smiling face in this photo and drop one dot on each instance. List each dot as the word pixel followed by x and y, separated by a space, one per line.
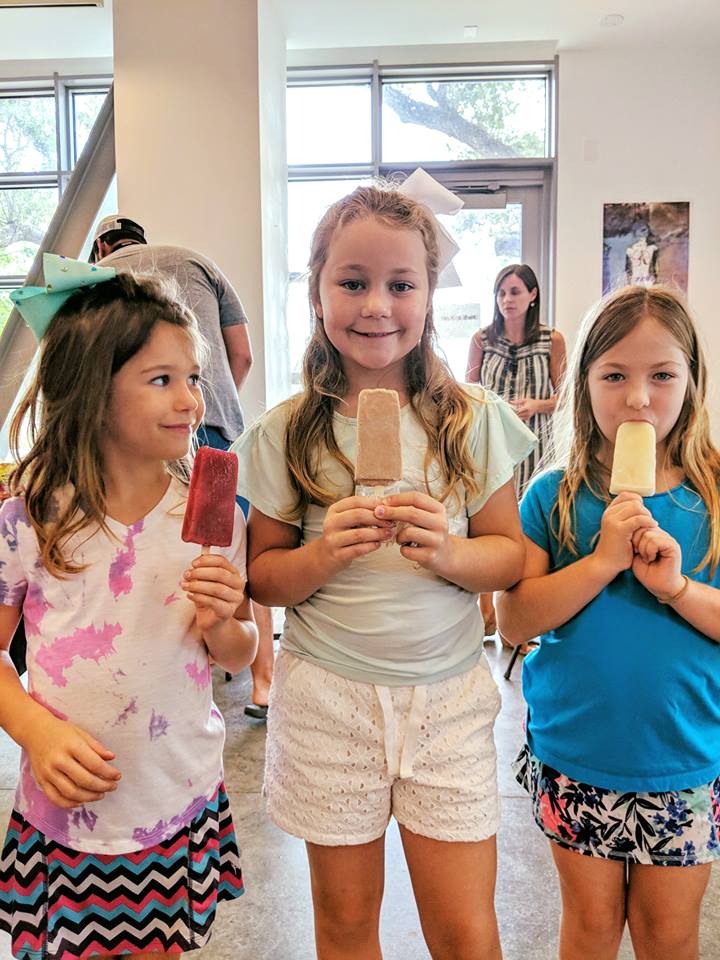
pixel 373 298
pixel 156 401
pixel 513 297
pixel 644 376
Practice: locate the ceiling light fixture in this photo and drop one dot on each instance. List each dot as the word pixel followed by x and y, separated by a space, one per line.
pixel 470 32
pixel 612 20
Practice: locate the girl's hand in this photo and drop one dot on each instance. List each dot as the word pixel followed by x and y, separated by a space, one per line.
pixel 525 408
pixel 621 520
pixel 70 766
pixel 351 530
pixel 423 536
pixel 657 563
pixel 216 588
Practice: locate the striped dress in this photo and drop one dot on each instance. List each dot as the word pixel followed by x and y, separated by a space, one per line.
pixel 515 371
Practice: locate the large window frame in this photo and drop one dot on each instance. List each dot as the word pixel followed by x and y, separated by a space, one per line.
pixel 470 178
pixel 63 89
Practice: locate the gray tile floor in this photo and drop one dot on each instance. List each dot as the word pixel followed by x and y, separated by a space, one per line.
pixel 273 920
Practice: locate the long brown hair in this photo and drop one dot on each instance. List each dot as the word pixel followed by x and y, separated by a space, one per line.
pixel 532 317
pixel 442 406
pixel 578 438
pixel 89 339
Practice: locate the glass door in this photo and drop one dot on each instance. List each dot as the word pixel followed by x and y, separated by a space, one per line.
pixel 493 229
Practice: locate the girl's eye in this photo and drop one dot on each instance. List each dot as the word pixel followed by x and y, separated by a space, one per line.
pixel 351 284
pixel 614 378
pixel 663 376
pixel 194 379
pixel 402 286
pixel 162 380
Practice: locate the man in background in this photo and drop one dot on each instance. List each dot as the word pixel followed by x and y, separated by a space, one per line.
pixel 120 242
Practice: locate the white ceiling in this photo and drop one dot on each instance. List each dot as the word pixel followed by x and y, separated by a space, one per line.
pixel 315 24
pixel 56 33
pixel 572 23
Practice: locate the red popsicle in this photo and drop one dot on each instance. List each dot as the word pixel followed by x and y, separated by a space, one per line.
pixel 210 511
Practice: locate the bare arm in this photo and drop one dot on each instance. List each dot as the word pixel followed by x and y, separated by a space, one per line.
pixel 283 573
pixel 222 610
pixel 657 565
pixel 543 601
pixel 69 765
pixel 489 558
pixel 18 710
pixel 239 351
pixel 474 360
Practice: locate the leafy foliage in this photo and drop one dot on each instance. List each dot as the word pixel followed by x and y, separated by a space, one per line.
pixel 487 118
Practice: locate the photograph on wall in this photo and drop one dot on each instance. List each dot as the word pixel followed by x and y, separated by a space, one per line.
pixel 645 243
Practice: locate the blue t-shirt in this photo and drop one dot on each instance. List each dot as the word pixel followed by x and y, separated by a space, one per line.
pixel 626 694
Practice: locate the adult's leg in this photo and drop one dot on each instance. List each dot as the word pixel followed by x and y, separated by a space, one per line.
pixel 454 886
pixel 347 888
pixel 593 905
pixel 262 666
pixel 664 910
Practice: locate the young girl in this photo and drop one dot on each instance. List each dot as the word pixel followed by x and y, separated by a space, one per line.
pixel 121 841
pixel 623 730
pixel 382 702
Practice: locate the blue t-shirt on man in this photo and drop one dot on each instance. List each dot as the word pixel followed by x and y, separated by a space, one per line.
pixel 626 694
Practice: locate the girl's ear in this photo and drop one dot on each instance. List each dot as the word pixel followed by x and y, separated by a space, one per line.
pixel 317 307
pixel 533 294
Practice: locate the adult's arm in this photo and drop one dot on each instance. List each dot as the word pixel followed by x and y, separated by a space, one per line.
pixel 474 360
pixel 239 351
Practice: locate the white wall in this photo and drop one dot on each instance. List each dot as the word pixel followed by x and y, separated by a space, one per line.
pixel 273 186
pixel 652 119
pixel 187 128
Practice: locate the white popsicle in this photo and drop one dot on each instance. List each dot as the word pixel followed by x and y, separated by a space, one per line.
pixel 633 466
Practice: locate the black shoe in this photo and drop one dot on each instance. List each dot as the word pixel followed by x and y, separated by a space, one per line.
pixel 256 711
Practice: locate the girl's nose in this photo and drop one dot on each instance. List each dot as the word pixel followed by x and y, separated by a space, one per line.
pixel 186 399
pixel 376 304
pixel 637 397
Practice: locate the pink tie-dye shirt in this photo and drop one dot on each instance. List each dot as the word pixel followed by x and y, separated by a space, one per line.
pixel 115 649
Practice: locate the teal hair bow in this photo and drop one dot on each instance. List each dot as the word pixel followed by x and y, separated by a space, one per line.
pixel 63 276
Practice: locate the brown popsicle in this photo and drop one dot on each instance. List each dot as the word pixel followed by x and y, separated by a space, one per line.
pixel 379 453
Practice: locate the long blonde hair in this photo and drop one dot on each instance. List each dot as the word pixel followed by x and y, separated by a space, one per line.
pixel 89 339
pixel 442 406
pixel 578 438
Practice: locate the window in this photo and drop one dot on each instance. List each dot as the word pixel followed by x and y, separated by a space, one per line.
pixel 43 128
pixel 485 133
pixel 483 119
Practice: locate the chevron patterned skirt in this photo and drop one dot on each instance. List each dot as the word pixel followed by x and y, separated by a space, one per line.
pixel 58 904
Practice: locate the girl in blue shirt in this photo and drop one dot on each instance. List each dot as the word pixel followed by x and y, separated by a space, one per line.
pixel 623 728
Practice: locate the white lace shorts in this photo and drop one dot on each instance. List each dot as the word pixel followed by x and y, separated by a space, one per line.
pixel 343 756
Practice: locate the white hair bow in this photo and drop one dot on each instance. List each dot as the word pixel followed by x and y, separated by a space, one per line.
pixel 423 188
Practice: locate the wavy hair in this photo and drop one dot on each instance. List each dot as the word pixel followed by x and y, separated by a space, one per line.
pixel 90 338
pixel 442 406
pixel 532 318
pixel 578 438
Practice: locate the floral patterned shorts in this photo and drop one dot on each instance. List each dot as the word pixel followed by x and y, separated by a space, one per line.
pixel 679 828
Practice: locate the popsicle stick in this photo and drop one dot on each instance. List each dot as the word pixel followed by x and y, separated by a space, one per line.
pixel 205 549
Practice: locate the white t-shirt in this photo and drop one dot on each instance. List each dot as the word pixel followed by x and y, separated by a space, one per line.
pixel 383 620
pixel 115 649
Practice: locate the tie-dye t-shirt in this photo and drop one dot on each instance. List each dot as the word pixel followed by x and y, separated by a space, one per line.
pixel 116 650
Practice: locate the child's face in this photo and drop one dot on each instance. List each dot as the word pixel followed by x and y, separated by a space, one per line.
pixel 373 298
pixel 156 401
pixel 643 377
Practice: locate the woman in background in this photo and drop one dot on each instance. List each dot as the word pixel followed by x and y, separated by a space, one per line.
pixel 523 361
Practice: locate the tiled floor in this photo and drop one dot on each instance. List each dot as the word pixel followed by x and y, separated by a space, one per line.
pixel 273 921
